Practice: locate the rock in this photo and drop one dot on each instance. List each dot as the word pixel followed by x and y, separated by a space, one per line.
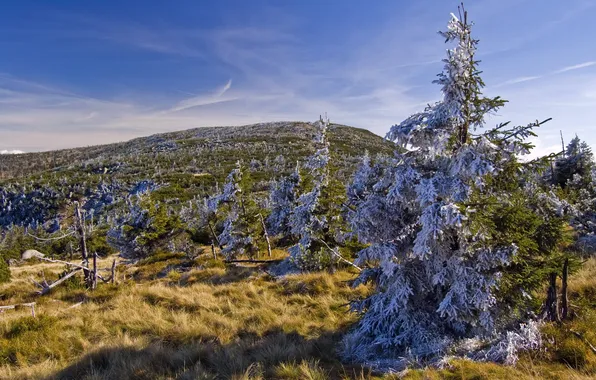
pixel 286 267
pixel 31 253
pixel 13 262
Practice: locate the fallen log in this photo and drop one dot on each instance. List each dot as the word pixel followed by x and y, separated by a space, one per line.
pixel 45 287
pixel 72 264
pixel 250 261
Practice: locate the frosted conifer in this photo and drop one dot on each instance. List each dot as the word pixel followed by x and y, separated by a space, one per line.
pixel 434 265
pixel 241 226
pixel 283 199
pixel 307 221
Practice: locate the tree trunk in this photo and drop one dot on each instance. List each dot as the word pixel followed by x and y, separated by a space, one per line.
pixel 113 278
pixel 214 235
pixel 564 301
pixel 552 307
pixel 94 283
pixel 213 250
pixel 266 234
pixel 84 254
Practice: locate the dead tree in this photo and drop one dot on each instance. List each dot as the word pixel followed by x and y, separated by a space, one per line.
pixel 551 307
pixel 113 278
pixel 266 234
pixel 84 255
pixel 94 283
pixel 46 287
pixel 214 235
pixel 564 300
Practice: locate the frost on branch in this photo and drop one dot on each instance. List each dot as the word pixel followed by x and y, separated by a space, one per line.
pixel 435 266
pixel 307 221
pixel 283 199
pixel 241 226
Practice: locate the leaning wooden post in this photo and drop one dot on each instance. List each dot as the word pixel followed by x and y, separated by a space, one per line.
pixel 266 234
pixel 564 301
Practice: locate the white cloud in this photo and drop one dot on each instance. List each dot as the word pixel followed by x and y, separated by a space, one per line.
pixel 11 151
pixel 575 67
pixel 517 80
pixel 204 100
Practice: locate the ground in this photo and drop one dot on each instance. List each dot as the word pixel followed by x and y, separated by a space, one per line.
pixel 168 318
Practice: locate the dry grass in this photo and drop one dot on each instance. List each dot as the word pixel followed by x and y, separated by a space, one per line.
pixel 168 321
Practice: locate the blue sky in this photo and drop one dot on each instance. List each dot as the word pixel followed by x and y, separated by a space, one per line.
pixel 77 73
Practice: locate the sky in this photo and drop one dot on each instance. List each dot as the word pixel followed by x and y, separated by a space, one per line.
pixel 79 73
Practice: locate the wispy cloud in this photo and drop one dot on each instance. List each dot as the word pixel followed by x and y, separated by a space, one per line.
pixel 517 80
pixel 555 72
pixel 575 67
pixel 204 100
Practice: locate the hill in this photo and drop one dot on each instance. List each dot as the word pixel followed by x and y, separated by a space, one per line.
pixel 35 187
pixel 201 149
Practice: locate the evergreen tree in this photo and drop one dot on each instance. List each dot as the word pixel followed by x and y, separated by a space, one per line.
pixel 316 219
pixel 435 264
pixel 144 229
pixel 282 199
pixel 242 228
pixel 577 160
pixel 4 268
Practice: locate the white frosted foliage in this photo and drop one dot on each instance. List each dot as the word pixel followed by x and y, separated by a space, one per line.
pixel 435 272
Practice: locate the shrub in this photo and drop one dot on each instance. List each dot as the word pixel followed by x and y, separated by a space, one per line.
pixel 4 271
pixel 572 352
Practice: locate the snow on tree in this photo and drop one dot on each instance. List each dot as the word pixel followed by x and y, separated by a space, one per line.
pixel 282 201
pixel 434 265
pixel 241 228
pixel 308 221
pixel 577 159
pixel 146 227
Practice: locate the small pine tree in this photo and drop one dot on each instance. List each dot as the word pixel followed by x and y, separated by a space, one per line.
pixel 242 227
pixel 144 229
pixel 316 219
pixel 577 160
pixel 282 199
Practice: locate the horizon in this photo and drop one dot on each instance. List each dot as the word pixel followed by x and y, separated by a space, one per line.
pixel 88 74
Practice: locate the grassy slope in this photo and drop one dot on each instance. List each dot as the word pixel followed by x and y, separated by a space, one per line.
pixel 236 322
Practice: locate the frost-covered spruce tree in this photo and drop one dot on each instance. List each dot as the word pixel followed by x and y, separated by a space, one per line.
pixel 308 220
pixel 241 228
pixel 434 264
pixel 282 200
pixel 576 160
pixel 145 228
